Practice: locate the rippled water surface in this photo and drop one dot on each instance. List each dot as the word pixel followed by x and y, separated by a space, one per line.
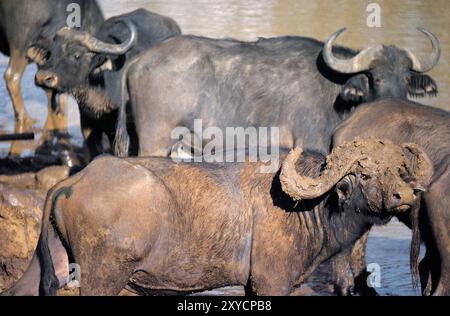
pixel 250 19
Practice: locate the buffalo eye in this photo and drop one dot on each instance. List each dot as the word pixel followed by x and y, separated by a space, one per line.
pixel 76 56
pixel 406 177
pixel 375 79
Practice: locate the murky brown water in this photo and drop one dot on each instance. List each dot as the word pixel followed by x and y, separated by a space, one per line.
pixel 250 19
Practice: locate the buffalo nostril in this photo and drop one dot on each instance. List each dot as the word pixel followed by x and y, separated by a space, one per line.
pixel 50 80
pixel 46 79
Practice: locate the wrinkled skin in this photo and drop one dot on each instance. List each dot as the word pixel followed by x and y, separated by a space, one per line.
pixel 22 24
pixel 206 226
pixel 404 121
pixel 94 79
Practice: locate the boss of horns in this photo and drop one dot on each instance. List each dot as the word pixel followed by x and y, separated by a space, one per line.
pixel 363 61
pixel 363 156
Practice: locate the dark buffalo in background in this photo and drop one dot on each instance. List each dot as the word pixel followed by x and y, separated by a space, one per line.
pixel 91 68
pixel 24 23
pixel 403 121
pixel 301 85
pixel 188 227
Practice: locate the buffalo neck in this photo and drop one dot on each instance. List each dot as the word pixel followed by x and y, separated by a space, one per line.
pixel 321 227
pixel 93 100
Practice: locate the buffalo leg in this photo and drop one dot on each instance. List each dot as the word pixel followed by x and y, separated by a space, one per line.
pixel 354 261
pixel 359 268
pixel 57 114
pixel 92 142
pixel 103 273
pixel 425 273
pixel 340 266
pixel 13 77
pixel 60 113
pixel 437 201
pixel 274 280
pixel 18 147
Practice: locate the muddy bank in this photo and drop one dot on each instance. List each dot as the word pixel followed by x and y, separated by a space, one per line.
pixel 21 201
pixel 20 218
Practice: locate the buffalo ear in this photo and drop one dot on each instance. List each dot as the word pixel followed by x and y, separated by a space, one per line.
pixel 40 50
pixel 421 85
pixel 356 89
pixel 344 190
pixel 101 63
pixel 37 55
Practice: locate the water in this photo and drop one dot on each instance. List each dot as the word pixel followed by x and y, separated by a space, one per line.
pixel 388 246
pixel 250 19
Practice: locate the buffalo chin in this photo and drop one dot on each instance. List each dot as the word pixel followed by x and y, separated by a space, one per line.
pixel 93 101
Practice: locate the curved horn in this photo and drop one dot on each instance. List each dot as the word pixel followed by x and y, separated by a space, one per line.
pixel 97 46
pixel 359 63
pixel 339 164
pixel 426 64
pixel 424 168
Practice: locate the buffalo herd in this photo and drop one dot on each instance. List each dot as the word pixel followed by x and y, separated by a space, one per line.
pixel 354 152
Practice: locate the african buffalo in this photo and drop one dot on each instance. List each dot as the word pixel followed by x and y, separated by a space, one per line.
pixel 24 23
pixel 303 86
pixel 91 68
pixel 404 121
pixel 156 225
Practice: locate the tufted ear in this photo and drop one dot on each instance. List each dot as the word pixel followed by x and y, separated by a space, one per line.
pixel 421 85
pixel 356 89
pixel 101 63
pixel 37 55
pixel 39 51
pixel 344 190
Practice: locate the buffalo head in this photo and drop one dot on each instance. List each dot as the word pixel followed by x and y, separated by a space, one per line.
pixel 75 55
pixel 369 175
pixel 384 71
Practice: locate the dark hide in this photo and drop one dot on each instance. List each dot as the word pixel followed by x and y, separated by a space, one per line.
pixel 25 23
pixel 281 82
pixel 208 226
pixel 95 79
pixel 409 122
